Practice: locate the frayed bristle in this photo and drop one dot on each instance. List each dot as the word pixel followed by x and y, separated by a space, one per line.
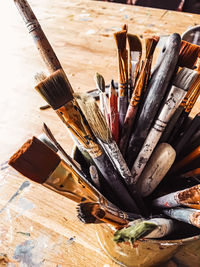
pixel 185 78
pixel 35 160
pixel 55 89
pixel 94 117
pixel 40 76
pixel 151 45
pixel 189 54
pixel 120 38
pixel 100 82
pixel 84 211
pixel 134 43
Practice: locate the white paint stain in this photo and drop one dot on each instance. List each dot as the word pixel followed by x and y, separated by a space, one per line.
pixel 90 32
pixel 24 205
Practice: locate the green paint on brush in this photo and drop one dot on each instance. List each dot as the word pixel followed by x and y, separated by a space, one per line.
pixel 134 232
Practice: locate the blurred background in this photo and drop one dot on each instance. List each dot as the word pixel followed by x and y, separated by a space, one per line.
pixel 192 6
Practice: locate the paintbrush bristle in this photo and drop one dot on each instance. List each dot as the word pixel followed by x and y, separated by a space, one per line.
pixel 125 27
pixel 151 45
pixel 94 116
pixel 120 38
pixel 185 78
pixel 40 76
pixel 188 54
pixel 134 43
pixel 100 82
pixel 112 90
pixel 85 212
pixel 35 160
pixel 55 89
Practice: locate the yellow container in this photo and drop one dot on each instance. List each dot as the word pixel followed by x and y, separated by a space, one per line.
pixel 148 252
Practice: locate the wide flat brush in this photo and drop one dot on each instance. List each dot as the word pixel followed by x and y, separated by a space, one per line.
pixel 180 85
pixel 41 164
pixel 155 93
pixel 55 90
pixel 135 54
pixel 41 41
pixel 113 112
pixel 102 132
pixel 189 54
pixel 120 38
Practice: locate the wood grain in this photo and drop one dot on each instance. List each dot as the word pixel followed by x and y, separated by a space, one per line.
pixel 81 32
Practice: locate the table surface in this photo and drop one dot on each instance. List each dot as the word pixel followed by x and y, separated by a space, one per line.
pixel 38 226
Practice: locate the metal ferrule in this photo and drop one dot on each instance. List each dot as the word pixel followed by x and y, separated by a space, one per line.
pixel 65 181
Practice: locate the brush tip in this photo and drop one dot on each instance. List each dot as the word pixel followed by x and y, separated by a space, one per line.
pixel 120 39
pixel 35 160
pixel 134 43
pixel 55 89
pixel 84 211
pixel 185 78
pixel 189 54
pixel 100 82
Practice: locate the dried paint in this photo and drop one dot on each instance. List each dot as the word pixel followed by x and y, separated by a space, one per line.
pixel 90 32
pixel 24 205
pixel 23 186
pixel 30 253
pixel 71 240
pixel 23 233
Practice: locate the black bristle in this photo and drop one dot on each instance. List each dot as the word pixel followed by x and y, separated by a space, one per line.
pixel 84 213
pixel 55 89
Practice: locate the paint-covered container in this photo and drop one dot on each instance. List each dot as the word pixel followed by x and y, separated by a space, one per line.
pixel 148 252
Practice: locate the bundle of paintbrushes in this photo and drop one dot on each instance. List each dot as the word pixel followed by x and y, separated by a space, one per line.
pixel 139 153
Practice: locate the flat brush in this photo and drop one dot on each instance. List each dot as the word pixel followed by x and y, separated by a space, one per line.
pixel 135 54
pixel 41 164
pixel 56 92
pixel 191 216
pixel 102 132
pixel 184 197
pixel 120 38
pixel 113 112
pixel 41 41
pixel 89 212
pixel 155 93
pixel 194 174
pixel 100 82
pixel 180 85
pixel 188 54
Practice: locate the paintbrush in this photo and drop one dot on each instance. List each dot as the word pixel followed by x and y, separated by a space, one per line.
pixel 155 93
pixel 102 132
pixel 56 92
pixel 152 228
pixel 194 174
pixel 87 213
pixel 136 96
pixel 41 164
pixel 113 112
pixel 135 54
pixel 184 197
pixel 95 177
pixel 186 108
pixel 191 216
pixel 187 135
pixel 41 41
pixel 188 54
pixel 157 167
pixel 100 82
pixel 194 155
pixel 180 85
pixel 120 38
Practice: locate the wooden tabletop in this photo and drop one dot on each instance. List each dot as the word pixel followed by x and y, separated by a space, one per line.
pixel 38 226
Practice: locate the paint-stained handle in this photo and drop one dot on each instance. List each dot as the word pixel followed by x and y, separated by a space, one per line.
pixel 171 103
pixel 38 35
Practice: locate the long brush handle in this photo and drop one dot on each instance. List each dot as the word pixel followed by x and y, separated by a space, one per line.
pixel 38 35
pixel 171 103
pixel 155 93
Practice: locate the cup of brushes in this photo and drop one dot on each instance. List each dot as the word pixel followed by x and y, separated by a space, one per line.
pixel 136 167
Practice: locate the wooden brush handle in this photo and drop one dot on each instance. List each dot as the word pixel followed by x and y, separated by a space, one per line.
pixel 38 35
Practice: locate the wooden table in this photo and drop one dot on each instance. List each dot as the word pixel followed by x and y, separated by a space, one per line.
pixel 39 226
